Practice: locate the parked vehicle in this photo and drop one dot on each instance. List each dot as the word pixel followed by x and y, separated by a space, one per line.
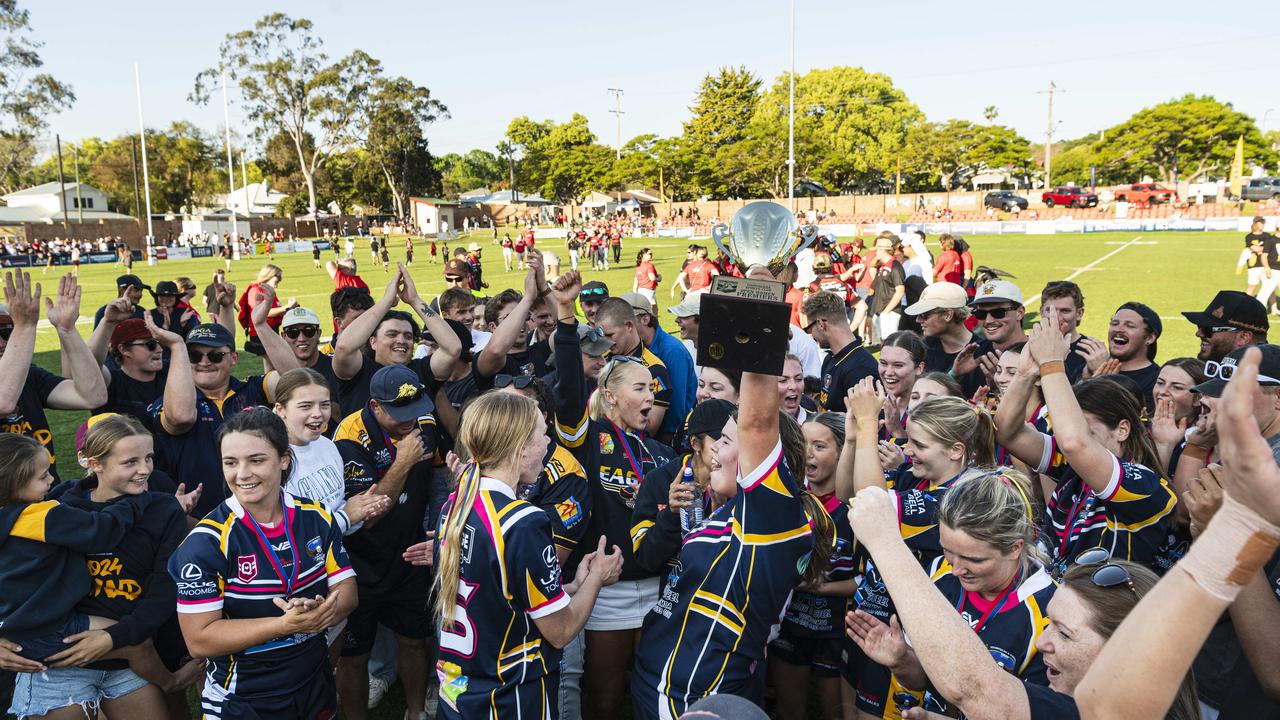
pixel 1264 188
pixel 1146 193
pixel 1071 196
pixel 1004 200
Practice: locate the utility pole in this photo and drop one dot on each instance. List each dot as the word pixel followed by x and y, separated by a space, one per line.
pixel 791 120
pixel 231 173
pixel 146 178
pixel 133 156
pixel 1048 137
pixel 62 185
pixel 617 111
pixel 79 198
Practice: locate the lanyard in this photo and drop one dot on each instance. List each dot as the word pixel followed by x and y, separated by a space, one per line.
pixel 626 450
pixel 1084 501
pixel 276 563
pixel 995 608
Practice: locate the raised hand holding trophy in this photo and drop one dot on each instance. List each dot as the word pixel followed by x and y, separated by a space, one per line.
pixel 745 321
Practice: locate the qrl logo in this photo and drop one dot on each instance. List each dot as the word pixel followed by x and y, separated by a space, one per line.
pixel 247 567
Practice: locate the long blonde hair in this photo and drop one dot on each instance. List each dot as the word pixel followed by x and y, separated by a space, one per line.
pixel 952 420
pixel 996 508
pixel 495 428
pixel 611 378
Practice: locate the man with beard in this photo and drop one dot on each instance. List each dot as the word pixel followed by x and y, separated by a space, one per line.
pixel 997 305
pixel 1131 339
pixel 1232 320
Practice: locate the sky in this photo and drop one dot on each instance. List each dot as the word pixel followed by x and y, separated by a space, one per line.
pixel 495 60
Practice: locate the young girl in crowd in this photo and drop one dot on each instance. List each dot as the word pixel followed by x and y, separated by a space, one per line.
pixel 791 390
pixel 607 436
pixel 497 568
pixel 933 384
pixel 1099 456
pixel 901 363
pixel 809 643
pixel 991 572
pixel 260 580
pixel 720 383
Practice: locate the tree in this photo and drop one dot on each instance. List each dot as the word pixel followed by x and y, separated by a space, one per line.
pixel 478 168
pixel 951 153
pixel 575 171
pixel 288 85
pixel 853 123
pixel 393 133
pixel 722 108
pixel 991 112
pixel 27 97
pixel 1197 135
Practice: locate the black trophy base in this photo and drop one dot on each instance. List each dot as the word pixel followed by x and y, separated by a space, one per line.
pixel 743 334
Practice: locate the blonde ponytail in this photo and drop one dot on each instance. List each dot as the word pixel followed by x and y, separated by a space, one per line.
pixel 449 558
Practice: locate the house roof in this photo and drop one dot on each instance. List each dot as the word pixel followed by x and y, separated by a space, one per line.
pixel 49 188
pixel 482 192
pixel 503 197
pixel 432 201
pixel 15 215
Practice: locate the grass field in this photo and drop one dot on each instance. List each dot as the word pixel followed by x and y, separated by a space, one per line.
pixel 1171 272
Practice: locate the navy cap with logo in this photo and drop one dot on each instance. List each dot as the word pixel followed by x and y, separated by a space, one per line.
pixel 1232 309
pixel 400 393
pixel 212 335
pixel 131 281
pixel 1220 373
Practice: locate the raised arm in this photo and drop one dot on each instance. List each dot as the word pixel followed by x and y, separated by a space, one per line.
pixel 86 389
pixel 758 404
pixel 1141 667
pixel 277 350
pixel 1013 432
pixel 448 348
pixel 116 312
pixel 1092 462
pixel 178 414
pixel 348 351
pixel 494 355
pixel 862 436
pixel 957 662
pixel 24 309
pixel 571 386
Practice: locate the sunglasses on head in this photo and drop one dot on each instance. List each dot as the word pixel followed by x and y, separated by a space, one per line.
pixel 997 313
pixel 213 356
pixel 594 292
pixel 293 331
pixel 150 345
pixel 519 381
pixel 593 335
pixel 1107 574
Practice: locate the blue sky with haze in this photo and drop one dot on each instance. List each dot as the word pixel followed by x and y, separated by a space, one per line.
pixel 491 61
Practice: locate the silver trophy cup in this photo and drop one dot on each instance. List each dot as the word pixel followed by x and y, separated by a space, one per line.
pixel 763 233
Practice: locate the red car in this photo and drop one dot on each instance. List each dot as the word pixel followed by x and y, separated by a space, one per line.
pixel 1071 196
pixel 1146 193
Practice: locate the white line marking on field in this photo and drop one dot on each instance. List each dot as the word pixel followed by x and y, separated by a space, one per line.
pixel 1034 299
pixel 1131 242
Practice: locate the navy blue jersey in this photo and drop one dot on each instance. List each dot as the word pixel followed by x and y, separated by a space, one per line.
pixel 732 578
pixel 226 566
pixel 1008 624
pixel 1130 517
pixel 841 371
pixel 193 456
pixel 563 494
pixel 493 661
pixel 812 615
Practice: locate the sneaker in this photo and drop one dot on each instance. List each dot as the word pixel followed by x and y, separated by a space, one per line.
pixel 377 690
pixel 433 700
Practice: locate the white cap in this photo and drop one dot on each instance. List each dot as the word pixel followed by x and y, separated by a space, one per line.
pixel 939 296
pixel 998 291
pixel 690 306
pixel 300 316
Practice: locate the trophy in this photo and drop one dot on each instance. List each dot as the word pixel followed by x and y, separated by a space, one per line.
pixel 745 321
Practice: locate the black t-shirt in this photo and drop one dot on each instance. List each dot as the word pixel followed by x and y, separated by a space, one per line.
pixel 1267 242
pixel 1075 364
pixel 1049 704
pixel 128 396
pixel 843 370
pixel 353 394
pixel 530 361
pixel 936 358
pixel 1146 380
pixel 887 280
pixel 28 417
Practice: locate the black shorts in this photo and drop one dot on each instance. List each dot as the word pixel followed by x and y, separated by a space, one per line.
pixel 820 654
pixel 404 610
pixel 316 700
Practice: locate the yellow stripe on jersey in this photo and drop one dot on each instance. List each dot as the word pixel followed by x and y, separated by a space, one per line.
pixel 772 538
pixel 562 463
pixel 910 531
pixel 1135 527
pixel 31 521
pixel 684 622
pixel 735 628
pixel 638 531
pixel 1038 624
pixel 773 481
pixel 571 436
pixel 721 604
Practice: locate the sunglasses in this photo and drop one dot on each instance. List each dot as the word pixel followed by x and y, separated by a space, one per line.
pixel 213 356
pixel 998 313
pixel 452 278
pixel 519 381
pixel 1107 574
pixel 593 335
pixel 1212 330
pixel 402 401
pixel 150 345
pixel 308 331
pixel 1225 372
pixel 5 332
pixel 594 292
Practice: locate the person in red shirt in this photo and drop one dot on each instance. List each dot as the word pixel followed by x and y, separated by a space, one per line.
pixel 948 267
pixel 647 277
pixel 966 264
pixel 697 274
pixel 344 274
pixel 270 275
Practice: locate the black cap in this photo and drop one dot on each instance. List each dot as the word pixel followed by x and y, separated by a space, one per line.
pixel 593 291
pixel 401 393
pixel 709 418
pixel 131 280
pixel 211 334
pixel 167 287
pixel 1234 309
pixel 1220 373
pixel 1151 318
pixel 464 337
pixel 725 707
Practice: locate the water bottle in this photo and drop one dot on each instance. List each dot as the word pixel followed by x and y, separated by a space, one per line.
pixel 690 517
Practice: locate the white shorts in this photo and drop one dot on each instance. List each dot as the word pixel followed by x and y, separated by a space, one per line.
pixel 623 605
pixel 1257 275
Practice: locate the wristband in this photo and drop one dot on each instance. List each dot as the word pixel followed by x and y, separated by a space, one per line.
pixel 1231 551
pixel 1052 367
pixel 1195 452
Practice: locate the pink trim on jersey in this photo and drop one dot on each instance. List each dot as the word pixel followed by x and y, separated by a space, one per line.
pixel 710 531
pixel 1113 485
pixel 546 608
pixel 749 481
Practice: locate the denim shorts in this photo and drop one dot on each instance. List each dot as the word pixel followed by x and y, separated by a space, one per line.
pixel 41 693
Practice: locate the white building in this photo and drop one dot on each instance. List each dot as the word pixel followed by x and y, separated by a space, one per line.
pixel 253 200
pixel 45 203
pixel 429 213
